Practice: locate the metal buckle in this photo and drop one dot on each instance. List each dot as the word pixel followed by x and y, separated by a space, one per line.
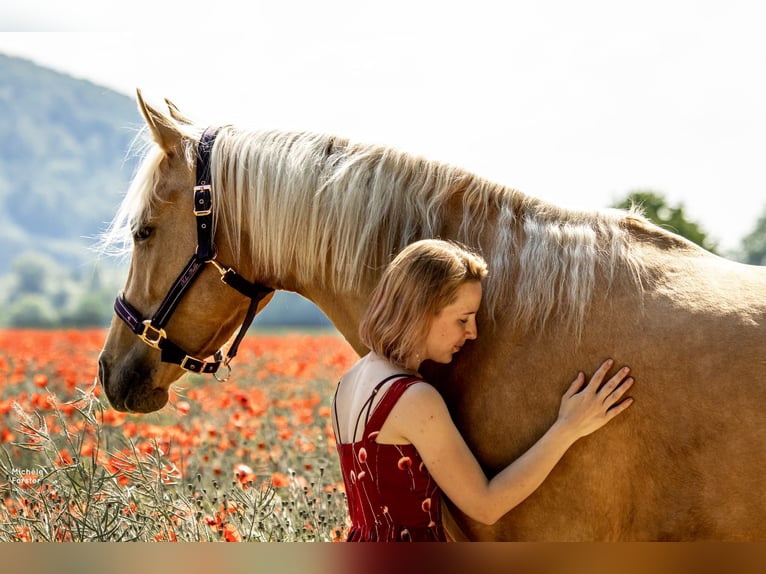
pixel 199 365
pixel 209 210
pixel 223 271
pixel 152 339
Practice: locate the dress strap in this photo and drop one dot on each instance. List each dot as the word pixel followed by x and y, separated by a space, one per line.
pixel 368 403
pixel 335 408
pixel 375 422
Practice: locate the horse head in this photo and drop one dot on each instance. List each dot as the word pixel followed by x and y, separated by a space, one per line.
pixel 174 312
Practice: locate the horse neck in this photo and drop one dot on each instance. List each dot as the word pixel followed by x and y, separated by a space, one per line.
pixel 345 310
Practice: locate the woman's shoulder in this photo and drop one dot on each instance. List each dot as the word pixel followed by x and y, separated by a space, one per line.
pixel 419 411
pixel 421 398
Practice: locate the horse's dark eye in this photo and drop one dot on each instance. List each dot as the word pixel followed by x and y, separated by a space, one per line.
pixel 142 233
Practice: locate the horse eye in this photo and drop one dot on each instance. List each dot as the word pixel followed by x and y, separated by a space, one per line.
pixel 142 233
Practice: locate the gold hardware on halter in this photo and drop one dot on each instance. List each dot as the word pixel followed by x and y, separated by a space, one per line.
pixel 221 269
pixel 152 335
pixel 201 212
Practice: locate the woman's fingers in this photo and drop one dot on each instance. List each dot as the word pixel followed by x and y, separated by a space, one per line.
pixel 616 382
pixel 595 381
pixel 616 409
pixel 576 385
pixel 613 397
pixel 598 376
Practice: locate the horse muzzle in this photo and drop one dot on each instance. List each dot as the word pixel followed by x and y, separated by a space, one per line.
pixel 130 387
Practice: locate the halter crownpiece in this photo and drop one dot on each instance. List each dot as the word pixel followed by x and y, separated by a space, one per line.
pixel 152 331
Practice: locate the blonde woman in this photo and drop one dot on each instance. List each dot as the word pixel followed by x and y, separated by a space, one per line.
pixel 398 447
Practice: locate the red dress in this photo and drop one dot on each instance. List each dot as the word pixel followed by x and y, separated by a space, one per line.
pixel 391 495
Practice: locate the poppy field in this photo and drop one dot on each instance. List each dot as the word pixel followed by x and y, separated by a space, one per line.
pixel 251 459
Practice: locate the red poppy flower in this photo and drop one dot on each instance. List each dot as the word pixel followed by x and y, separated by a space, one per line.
pixel 243 473
pixel 231 534
pixel 280 480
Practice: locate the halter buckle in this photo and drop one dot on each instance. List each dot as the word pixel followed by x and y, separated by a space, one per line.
pixel 151 335
pixel 192 364
pixel 202 200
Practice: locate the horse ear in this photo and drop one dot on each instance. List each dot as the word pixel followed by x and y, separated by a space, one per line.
pixel 176 114
pixel 165 132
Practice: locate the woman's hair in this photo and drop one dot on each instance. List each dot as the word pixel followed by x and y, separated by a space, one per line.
pixel 417 284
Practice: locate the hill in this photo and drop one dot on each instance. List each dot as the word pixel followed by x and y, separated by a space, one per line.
pixel 64 165
pixel 63 145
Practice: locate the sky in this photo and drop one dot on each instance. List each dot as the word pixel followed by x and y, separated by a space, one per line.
pixel 578 103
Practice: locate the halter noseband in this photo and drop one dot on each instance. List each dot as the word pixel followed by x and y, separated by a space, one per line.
pixel 152 331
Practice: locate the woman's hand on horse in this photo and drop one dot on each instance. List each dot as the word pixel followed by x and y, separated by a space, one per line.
pixel 586 408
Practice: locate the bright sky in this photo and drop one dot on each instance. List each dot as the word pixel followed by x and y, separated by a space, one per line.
pixel 578 102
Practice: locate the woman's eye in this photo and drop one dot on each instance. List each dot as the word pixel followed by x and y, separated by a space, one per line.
pixel 142 233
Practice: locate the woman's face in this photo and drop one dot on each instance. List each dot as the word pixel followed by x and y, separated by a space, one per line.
pixel 453 325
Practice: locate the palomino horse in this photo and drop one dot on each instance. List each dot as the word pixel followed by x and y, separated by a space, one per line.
pixel 321 216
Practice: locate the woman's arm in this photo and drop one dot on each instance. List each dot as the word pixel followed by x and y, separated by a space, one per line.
pixel 421 416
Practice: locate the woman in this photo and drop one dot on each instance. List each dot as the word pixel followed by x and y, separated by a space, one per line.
pixel 398 446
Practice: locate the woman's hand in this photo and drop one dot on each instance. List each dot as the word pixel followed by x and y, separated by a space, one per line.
pixel 584 410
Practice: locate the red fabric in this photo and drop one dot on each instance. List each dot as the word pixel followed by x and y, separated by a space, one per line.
pixel 391 495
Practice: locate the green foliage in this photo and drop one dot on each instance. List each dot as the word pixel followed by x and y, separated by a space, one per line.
pixel 754 244
pixel 33 271
pixel 91 309
pixel 671 217
pixel 40 293
pixel 33 311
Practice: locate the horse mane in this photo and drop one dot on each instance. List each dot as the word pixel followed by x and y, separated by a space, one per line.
pixel 321 208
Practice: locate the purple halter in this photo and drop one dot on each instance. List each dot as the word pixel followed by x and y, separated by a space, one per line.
pixel 152 331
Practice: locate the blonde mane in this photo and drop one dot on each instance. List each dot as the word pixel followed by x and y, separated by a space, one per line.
pixel 319 208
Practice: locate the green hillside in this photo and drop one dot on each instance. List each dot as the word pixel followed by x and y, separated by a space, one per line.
pixel 63 145
pixel 65 162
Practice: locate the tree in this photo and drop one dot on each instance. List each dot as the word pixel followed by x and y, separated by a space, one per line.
pixel 32 311
pixel 92 309
pixel 34 272
pixel 671 217
pixel 754 244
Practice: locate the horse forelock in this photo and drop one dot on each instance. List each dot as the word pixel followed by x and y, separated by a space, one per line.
pixel 319 208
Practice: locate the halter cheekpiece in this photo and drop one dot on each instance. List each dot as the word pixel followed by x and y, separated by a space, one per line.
pixel 152 331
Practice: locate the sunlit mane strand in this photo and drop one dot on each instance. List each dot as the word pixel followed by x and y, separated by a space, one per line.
pixel 320 208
